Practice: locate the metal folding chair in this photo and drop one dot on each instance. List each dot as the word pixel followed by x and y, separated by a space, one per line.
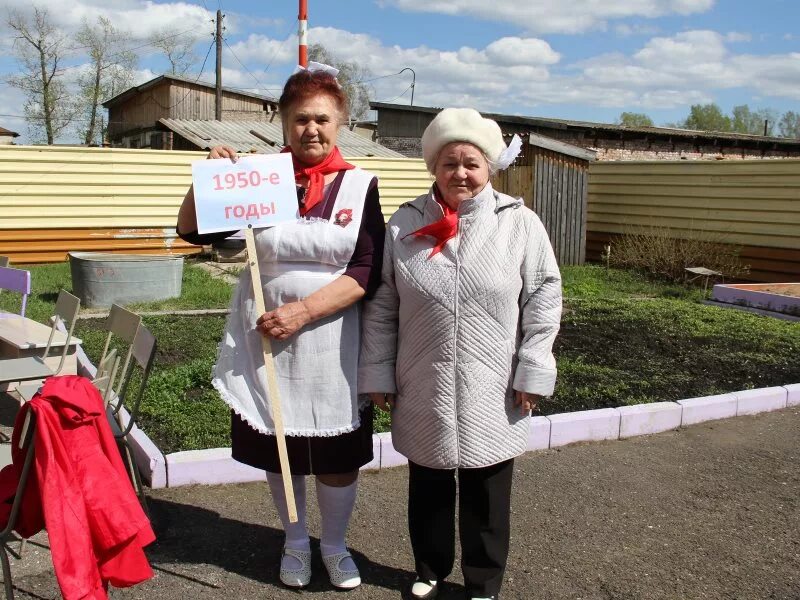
pixel 133 381
pixel 16 280
pixel 121 325
pixel 34 367
pixel 7 534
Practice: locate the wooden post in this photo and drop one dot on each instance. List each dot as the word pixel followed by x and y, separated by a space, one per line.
pixel 218 89
pixel 272 380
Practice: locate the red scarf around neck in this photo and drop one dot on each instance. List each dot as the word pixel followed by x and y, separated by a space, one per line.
pixel 316 175
pixel 441 230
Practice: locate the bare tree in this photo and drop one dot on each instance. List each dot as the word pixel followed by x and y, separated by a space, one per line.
pixel 110 70
pixel 178 48
pixel 40 49
pixel 789 125
pixel 351 77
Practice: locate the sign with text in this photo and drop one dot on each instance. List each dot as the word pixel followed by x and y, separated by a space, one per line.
pixel 256 190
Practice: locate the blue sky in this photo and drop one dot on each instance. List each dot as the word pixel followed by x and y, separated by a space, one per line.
pixel 578 59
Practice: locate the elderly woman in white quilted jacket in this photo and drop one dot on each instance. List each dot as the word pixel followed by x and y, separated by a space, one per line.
pixel 457 343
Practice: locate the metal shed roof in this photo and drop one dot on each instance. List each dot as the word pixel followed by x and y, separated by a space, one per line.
pixel 132 91
pixel 264 136
pixel 568 124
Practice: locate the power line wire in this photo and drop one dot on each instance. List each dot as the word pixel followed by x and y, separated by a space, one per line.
pixel 397 97
pixel 275 54
pixel 257 80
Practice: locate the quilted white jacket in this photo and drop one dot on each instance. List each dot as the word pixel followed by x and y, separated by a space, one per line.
pixel 453 336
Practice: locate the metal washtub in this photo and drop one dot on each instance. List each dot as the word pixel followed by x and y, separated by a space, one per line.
pixel 101 279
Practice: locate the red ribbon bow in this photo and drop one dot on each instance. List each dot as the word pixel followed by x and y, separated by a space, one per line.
pixel 316 175
pixel 442 230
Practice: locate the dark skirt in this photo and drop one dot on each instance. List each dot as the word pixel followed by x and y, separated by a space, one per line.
pixel 307 455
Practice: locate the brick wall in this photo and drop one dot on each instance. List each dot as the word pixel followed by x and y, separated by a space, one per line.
pixel 407 146
pixel 609 149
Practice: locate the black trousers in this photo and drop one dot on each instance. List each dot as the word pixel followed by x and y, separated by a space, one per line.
pixel 484 505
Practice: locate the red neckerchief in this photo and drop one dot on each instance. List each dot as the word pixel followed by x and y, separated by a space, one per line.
pixel 316 175
pixel 441 230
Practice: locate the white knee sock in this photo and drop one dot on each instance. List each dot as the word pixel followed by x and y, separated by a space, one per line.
pixel 335 507
pixel 296 533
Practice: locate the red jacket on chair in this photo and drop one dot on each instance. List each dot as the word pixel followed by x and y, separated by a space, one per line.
pixel 81 492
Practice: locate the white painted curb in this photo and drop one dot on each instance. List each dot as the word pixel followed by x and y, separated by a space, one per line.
pixel 644 419
pixel 584 426
pixel 708 408
pixel 751 402
pixel 215 466
pixel 793 394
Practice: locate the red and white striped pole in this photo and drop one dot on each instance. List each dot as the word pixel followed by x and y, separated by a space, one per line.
pixel 302 32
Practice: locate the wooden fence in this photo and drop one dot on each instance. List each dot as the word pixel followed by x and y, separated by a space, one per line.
pixel 552 178
pixel 754 204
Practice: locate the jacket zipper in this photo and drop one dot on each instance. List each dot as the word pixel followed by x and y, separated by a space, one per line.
pixel 456 248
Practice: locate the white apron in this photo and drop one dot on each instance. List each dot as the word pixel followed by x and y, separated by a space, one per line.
pixel 317 367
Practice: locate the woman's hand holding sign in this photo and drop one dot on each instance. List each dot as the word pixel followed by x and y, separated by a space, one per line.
pixel 284 321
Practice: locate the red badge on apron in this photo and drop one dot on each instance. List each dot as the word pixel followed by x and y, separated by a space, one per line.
pixel 344 217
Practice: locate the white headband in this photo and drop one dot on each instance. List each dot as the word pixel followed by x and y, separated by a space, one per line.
pixel 315 66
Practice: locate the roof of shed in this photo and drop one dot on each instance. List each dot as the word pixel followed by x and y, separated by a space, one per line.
pixel 156 80
pixel 264 136
pixel 566 124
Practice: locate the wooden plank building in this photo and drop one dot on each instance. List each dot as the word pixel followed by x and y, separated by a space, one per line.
pixel 552 179
pixel 134 114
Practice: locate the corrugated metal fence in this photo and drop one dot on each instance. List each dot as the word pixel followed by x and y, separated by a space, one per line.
pixel 57 199
pixel 551 177
pixel 755 204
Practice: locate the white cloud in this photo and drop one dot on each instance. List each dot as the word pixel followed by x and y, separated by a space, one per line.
pixel 665 72
pixel 694 64
pixel 555 16
pixel 517 51
pixel 139 17
pixel 738 36
pixel 625 29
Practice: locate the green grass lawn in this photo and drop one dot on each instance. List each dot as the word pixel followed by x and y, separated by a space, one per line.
pixel 198 290
pixel 624 340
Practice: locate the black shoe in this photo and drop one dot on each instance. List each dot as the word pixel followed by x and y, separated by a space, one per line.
pixel 424 589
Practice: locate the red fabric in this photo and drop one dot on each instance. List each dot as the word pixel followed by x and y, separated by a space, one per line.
pixel 442 230
pixel 333 163
pixel 80 491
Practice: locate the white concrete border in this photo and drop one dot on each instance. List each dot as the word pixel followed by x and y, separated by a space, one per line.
pixel 215 466
pixel 793 394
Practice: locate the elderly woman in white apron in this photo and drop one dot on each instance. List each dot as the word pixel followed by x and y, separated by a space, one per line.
pixel 457 342
pixel 314 274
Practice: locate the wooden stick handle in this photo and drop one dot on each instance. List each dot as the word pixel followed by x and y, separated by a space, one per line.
pixel 272 380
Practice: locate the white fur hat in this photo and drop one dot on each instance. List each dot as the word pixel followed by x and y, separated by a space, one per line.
pixel 461 125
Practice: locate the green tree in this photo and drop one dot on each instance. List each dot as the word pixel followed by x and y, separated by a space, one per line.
pixel 744 120
pixel 110 70
pixel 40 48
pixel 632 119
pixel 789 125
pixel 351 77
pixel 707 117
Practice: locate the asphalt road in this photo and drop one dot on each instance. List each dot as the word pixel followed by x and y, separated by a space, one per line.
pixel 707 512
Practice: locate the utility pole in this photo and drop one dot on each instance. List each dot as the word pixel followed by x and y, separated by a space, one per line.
pixel 413 81
pixel 302 33
pixel 218 39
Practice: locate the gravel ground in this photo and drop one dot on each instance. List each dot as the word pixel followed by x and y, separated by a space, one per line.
pixel 707 512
